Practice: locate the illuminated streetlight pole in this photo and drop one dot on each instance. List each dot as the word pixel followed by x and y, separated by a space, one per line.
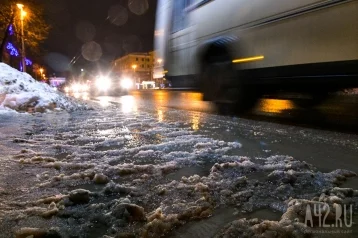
pixel 22 14
pixel 160 64
pixel 41 72
pixel 134 66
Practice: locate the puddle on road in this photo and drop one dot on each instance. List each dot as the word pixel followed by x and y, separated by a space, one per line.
pixel 351 183
pixel 97 230
pixel 137 140
pixel 79 142
pixel 211 226
pixel 264 214
pixel 259 176
pixel 92 187
pixel 61 156
pixel 203 170
pixel 109 147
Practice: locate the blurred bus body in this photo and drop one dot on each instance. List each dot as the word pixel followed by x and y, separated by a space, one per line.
pixel 237 50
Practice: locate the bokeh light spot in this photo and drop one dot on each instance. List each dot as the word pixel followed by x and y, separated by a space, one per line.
pixel 118 15
pixel 85 31
pixel 91 51
pixel 138 7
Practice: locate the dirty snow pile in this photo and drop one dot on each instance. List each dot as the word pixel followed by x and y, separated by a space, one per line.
pixel 20 92
pixel 352 91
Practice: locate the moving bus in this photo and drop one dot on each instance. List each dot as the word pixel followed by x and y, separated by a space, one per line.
pixel 237 50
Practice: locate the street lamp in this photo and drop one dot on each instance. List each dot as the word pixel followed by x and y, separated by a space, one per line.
pixel 22 14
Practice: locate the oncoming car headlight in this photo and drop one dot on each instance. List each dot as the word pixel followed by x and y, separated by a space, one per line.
pixel 76 87
pixel 85 87
pixel 126 83
pixel 103 83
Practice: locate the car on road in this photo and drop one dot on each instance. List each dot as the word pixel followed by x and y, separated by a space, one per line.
pixel 111 85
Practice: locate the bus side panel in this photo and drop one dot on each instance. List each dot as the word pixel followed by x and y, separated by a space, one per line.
pixel 326 35
pixel 161 34
pixel 217 16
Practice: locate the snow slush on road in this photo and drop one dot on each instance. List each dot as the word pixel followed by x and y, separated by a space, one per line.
pixel 103 173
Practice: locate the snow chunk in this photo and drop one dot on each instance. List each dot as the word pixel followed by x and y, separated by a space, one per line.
pixel 235 144
pixel 132 211
pixel 37 232
pixel 20 92
pixel 80 196
pixel 100 179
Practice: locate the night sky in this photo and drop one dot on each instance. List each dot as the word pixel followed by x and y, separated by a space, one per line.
pixel 117 26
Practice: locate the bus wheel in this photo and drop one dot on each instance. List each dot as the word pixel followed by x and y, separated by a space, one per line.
pixel 313 100
pixel 211 81
pixel 220 84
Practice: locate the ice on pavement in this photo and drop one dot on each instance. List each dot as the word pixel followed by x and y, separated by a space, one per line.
pixel 102 173
pixel 20 92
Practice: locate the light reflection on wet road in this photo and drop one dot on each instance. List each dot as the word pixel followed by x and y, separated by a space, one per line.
pixel 338 113
pixel 274 126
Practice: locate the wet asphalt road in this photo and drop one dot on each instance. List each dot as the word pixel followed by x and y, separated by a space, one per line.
pixel 325 136
pixel 336 113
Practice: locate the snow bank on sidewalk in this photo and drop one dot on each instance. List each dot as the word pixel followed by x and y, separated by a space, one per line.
pixel 352 91
pixel 20 92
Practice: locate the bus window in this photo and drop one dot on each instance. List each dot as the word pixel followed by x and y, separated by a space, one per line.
pixel 179 14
